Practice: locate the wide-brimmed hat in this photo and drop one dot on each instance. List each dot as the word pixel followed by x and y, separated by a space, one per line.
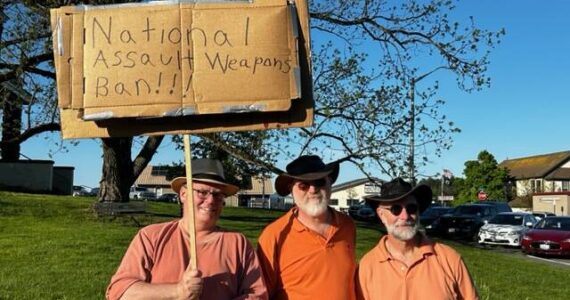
pixel 206 170
pixel 305 168
pixel 398 189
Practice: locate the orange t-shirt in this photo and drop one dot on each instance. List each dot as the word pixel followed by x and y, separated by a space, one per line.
pixel 299 264
pixel 438 273
pixel 159 254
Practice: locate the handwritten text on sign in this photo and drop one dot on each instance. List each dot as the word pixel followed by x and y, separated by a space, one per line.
pixel 128 58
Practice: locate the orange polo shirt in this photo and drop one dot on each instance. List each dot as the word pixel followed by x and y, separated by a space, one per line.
pixel 298 263
pixel 160 253
pixel 437 273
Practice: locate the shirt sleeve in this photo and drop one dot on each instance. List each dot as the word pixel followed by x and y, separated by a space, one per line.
pixel 266 253
pixel 134 267
pixel 252 286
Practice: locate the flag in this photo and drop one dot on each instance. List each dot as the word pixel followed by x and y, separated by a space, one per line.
pixel 447 174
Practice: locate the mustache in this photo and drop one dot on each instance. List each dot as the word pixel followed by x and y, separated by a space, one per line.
pixel 406 223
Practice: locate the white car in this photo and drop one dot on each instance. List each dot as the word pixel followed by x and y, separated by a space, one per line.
pixel 506 229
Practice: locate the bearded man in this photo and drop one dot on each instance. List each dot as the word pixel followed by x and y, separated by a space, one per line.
pixel 309 252
pixel 405 264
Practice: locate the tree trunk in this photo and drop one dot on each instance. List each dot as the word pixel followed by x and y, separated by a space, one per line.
pixel 117 176
pixel 11 126
pixel 119 170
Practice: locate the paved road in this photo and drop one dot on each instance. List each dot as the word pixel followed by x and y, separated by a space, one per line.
pixel 563 261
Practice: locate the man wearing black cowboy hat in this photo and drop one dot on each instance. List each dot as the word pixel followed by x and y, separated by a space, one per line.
pixel 309 252
pixel 405 264
pixel 156 264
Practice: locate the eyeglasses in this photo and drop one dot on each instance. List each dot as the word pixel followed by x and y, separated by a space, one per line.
pixel 203 194
pixel 396 209
pixel 304 185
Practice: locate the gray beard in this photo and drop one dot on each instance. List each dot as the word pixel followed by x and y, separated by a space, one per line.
pixel 404 233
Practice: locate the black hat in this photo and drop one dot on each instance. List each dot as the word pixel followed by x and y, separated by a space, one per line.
pixel 206 170
pixel 306 168
pixel 398 189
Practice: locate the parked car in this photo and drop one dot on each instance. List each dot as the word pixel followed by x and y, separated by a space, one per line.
pixel 78 190
pixel 506 229
pixel 353 209
pixel 140 193
pixel 431 214
pixel 465 221
pixel 501 206
pixel 366 213
pixel 168 197
pixel 550 236
pixel 542 214
pixel 93 192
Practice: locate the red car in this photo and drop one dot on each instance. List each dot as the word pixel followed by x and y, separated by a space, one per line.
pixel 550 236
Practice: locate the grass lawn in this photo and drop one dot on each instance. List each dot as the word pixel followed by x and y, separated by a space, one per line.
pixel 55 248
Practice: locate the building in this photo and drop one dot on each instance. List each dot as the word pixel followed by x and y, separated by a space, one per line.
pixel 36 176
pixel 154 179
pixel 543 178
pixel 352 192
pixel 258 196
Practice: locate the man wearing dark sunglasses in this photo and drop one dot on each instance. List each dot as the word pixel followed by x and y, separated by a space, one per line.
pixel 405 264
pixel 309 252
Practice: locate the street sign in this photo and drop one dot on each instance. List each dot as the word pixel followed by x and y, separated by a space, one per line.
pixel 445 198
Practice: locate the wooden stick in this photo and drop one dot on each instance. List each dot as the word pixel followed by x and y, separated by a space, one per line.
pixel 189 204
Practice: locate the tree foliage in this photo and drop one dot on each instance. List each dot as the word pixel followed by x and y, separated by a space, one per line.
pixel 483 174
pixel 370 60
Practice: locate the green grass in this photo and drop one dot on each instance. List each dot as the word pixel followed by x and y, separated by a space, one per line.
pixel 55 248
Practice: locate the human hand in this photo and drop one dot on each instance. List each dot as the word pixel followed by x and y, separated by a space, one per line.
pixel 190 286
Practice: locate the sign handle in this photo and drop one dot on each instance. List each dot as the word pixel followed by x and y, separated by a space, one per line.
pixel 189 203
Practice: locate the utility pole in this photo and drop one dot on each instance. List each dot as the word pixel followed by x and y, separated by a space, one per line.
pixel 411 162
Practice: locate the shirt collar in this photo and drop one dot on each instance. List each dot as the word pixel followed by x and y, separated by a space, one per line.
pixel 425 248
pixel 298 226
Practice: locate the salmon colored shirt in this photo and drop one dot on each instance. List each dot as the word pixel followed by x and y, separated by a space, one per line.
pixel 159 254
pixel 438 273
pixel 301 264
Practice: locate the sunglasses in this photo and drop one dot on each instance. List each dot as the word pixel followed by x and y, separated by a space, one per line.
pixel 304 185
pixel 396 209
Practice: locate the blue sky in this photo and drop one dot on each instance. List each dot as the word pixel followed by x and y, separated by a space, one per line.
pixel 524 113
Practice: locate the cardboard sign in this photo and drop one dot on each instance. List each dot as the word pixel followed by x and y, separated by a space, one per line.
pixel 190 68
pixel 155 60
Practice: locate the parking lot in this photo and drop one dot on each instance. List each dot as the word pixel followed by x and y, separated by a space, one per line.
pixel 562 261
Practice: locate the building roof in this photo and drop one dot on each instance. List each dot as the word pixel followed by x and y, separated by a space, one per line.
pixel 353 183
pixel 539 166
pixel 148 178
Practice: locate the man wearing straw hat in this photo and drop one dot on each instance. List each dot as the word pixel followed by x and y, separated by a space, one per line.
pixel 309 252
pixel 156 264
pixel 405 264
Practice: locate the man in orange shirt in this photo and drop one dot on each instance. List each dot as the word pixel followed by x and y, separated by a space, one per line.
pixel 309 252
pixel 156 264
pixel 405 264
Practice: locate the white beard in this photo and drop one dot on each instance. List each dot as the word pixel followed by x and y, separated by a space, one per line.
pixel 314 209
pixel 404 233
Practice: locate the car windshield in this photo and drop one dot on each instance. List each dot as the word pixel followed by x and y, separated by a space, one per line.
pixel 554 223
pixel 507 220
pixel 468 210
